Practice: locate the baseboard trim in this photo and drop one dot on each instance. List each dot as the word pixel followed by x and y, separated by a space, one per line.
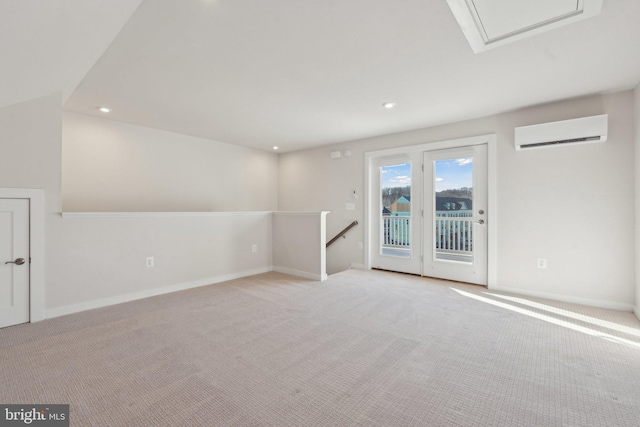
pixel 359 266
pixel 304 274
pixel 611 305
pixel 119 299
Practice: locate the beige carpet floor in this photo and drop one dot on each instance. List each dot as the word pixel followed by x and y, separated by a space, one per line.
pixel 364 348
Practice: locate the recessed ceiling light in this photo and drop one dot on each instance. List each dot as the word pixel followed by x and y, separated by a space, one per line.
pixel 275 148
pixel 104 109
pixel 389 105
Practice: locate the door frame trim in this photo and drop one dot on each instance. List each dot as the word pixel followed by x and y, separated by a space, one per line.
pixel 492 183
pixel 36 246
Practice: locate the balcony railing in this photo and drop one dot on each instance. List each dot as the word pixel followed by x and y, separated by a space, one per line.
pixel 453 234
pixel 396 232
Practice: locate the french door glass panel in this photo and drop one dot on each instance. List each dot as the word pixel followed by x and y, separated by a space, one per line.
pixel 397 241
pixel 455 201
pixel 396 210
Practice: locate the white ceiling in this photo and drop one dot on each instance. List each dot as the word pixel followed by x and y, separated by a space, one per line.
pixel 303 73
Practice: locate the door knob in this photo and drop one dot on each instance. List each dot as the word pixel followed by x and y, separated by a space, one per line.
pixel 18 261
pixel 480 221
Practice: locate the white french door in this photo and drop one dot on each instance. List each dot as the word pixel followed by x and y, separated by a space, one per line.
pixel 14 261
pixel 396 229
pixel 434 219
pixel 455 214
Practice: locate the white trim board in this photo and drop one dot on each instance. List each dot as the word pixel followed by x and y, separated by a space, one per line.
pixel 155 214
pixel 36 246
pixel 279 213
pixel 178 214
pixel 122 298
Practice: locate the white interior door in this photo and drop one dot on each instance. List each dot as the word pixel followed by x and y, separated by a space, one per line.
pixel 455 214
pixel 396 236
pixel 14 261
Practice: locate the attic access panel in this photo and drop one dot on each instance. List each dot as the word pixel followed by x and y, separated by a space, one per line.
pixel 491 23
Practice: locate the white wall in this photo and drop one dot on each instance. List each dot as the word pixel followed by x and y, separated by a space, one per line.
pixel 110 166
pixel 30 147
pixel 299 244
pixel 101 260
pixel 95 261
pixel 310 181
pixel 637 204
pixel 30 158
pixel 571 205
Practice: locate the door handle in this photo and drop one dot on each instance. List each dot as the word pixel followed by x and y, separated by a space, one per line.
pixel 18 261
pixel 480 221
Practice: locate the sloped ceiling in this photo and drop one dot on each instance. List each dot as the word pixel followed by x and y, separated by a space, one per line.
pixel 49 46
pixel 303 73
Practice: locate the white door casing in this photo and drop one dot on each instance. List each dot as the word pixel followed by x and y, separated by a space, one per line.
pixel 372 193
pixel 14 261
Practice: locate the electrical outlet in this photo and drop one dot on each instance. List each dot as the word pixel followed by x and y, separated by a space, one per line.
pixel 360 246
pixel 254 248
pixel 542 263
pixel 150 261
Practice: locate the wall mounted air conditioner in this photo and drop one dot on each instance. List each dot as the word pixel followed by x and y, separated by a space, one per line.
pixel 566 132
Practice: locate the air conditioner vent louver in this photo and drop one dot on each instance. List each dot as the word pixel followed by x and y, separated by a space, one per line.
pixel 564 141
pixel 576 131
